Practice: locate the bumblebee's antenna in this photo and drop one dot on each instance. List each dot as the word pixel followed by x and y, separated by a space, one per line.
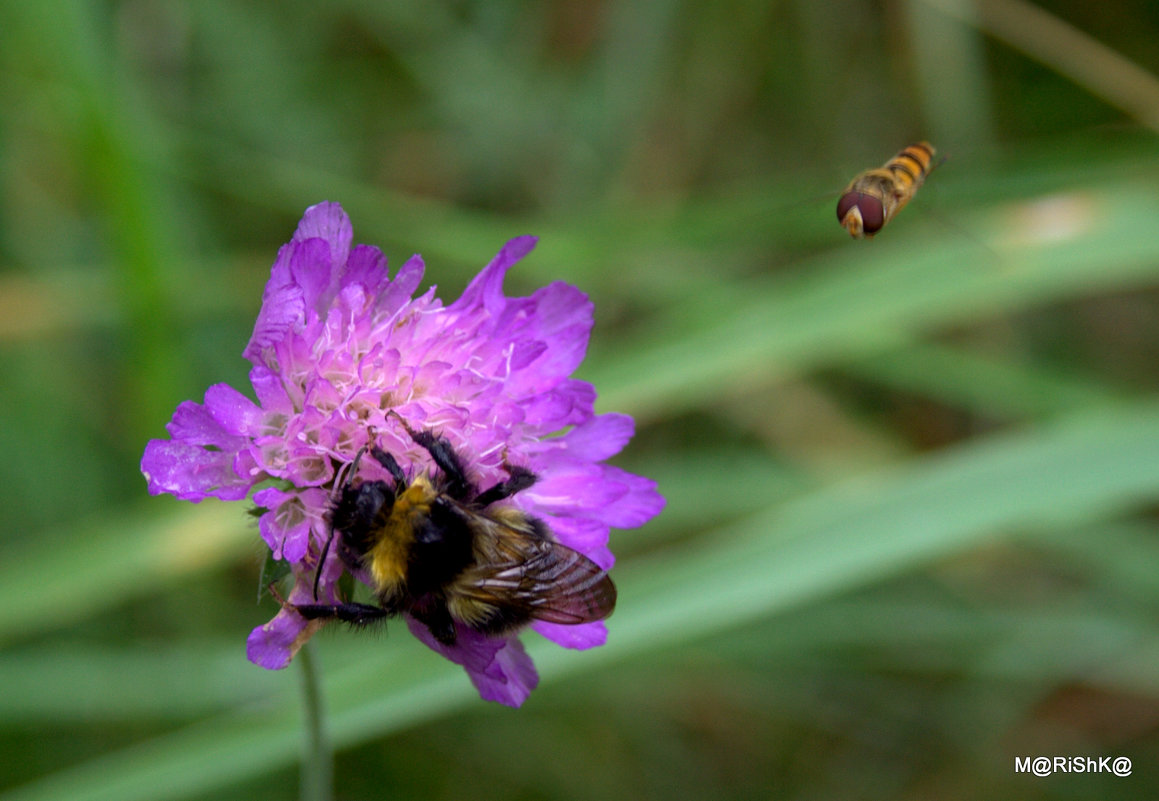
pixel 342 480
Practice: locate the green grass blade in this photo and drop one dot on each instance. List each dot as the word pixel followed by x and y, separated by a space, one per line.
pixel 859 302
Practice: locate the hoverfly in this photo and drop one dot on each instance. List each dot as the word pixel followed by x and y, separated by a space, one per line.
pixel 875 196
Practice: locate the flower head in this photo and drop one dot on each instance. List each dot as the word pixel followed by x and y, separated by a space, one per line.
pixel 341 353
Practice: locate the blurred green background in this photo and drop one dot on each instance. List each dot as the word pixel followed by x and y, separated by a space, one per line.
pixel 912 483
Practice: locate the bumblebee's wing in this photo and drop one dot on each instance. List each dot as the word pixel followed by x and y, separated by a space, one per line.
pixel 522 570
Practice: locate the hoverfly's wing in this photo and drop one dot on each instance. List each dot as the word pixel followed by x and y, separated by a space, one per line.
pixel 523 570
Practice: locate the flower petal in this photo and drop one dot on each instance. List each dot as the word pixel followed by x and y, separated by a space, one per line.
pixel 233 411
pixel 400 290
pixel 366 267
pixel 498 667
pixel 315 272
pixel 486 289
pixel 272 645
pixel 327 221
pixel 283 307
pixel 581 637
pixel 289 523
pixel 636 505
pixel 511 677
pixel 191 472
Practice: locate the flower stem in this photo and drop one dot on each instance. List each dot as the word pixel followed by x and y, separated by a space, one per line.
pixel 317 757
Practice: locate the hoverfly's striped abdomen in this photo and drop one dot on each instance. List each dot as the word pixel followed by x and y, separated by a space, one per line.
pixel 875 196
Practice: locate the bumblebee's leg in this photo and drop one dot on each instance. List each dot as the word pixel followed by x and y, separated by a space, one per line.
pixel 448 461
pixel 436 618
pixel 445 457
pixel 322 562
pixel 519 479
pixel 391 465
pixel 355 614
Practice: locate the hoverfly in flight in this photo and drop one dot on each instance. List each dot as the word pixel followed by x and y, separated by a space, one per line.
pixel 875 196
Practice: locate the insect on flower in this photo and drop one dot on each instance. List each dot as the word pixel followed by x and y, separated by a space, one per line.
pixel 875 196
pixel 440 454
pixel 446 554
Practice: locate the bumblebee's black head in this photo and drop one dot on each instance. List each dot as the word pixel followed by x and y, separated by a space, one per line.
pixel 359 510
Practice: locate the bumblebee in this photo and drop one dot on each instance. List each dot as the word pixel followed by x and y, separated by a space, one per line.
pixel 445 553
pixel 875 196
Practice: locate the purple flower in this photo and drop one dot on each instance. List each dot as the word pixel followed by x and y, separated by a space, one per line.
pixel 338 348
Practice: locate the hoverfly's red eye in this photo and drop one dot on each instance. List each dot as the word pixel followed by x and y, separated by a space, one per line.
pixel 872 213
